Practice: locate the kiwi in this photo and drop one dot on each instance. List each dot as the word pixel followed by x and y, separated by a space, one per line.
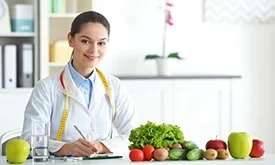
pixel 210 154
pixel 222 154
pixel 177 145
pixel 167 148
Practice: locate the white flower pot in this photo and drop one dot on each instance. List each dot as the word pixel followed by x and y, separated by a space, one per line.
pixel 165 66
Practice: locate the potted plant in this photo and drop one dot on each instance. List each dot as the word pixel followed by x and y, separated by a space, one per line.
pixel 163 61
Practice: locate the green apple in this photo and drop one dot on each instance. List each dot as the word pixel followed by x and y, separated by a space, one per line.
pixel 17 151
pixel 239 144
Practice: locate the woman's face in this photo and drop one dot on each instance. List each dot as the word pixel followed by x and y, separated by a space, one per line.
pixel 89 45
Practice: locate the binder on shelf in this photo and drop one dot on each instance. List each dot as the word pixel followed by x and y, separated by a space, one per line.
pixel 1 68
pixel 25 76
pixel 9 61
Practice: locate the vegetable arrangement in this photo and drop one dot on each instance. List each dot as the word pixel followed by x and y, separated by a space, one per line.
pixel 187 151
pixel 163 142
pixel 159 136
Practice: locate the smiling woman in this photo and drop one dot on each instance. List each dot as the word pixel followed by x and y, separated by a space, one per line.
pixel 89 39
pixel 83 96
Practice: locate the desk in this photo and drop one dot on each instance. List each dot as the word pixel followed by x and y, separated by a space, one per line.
pixel 268 159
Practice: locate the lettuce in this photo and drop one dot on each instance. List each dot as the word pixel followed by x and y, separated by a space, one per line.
pixel 159 136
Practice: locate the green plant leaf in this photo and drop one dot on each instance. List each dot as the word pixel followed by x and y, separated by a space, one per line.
pixel 175 55
pixel 151 56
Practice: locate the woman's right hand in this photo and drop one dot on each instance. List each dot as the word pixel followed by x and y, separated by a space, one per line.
pixel 82 148
pixel 79 148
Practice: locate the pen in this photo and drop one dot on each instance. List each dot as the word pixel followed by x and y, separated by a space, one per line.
pixel 79 132
pixel 82 135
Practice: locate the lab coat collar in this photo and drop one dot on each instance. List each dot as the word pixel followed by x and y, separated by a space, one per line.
pixel 75 93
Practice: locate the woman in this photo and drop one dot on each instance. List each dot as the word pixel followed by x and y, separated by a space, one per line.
pixel 83 96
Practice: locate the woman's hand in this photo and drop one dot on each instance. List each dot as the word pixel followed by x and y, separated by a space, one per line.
pixel 79 148
pixel 100 147
pixel 82 148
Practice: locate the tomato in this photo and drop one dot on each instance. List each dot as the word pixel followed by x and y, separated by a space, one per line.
pixel 148 151
pixel 136 155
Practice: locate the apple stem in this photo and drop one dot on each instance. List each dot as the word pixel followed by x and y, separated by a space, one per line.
pixel 216 136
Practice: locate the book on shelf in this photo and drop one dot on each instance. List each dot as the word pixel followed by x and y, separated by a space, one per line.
pixel 57 6
pixel 68 6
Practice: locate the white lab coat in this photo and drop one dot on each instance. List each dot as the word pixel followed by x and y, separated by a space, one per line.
pixel 47 103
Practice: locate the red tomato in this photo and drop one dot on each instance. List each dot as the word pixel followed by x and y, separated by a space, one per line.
pixel 148 151
pixel 136 155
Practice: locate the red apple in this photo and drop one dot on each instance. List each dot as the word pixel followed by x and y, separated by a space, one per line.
pixel 216 144
pixel 257 150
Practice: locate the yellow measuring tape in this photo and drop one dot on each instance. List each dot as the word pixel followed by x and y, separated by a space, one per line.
pixel 66 109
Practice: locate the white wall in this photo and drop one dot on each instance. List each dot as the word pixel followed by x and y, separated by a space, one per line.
pixel 258 72
pixel 137 28
pixel 246 50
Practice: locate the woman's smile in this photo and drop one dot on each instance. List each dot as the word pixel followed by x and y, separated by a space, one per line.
pixel 91 57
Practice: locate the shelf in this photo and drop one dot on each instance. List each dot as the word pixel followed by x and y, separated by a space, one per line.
pixel 57 64
pixel 63 15
pixel 15 90
pixel 18 34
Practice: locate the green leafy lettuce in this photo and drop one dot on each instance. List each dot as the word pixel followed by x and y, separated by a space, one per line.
pixel 159 136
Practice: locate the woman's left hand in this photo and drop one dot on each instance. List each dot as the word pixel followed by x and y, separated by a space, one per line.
pixel 100 147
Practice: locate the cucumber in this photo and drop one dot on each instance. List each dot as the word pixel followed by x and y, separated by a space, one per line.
pixel 189 145
pixel 177 154
pixel 184 155
pixel 194 154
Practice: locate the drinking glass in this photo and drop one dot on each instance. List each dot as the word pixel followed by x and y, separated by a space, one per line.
pixel 40 141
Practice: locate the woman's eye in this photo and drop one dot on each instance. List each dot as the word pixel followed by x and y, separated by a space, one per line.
pixel 102 43
pixel 85 41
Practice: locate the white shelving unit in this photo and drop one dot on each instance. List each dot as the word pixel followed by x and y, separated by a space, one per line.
pixel 17 38
pixel 56 26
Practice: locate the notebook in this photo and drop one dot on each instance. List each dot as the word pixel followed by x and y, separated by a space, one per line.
pixel 103 156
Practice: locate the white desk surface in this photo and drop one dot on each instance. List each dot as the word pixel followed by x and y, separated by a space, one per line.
pixel 267 159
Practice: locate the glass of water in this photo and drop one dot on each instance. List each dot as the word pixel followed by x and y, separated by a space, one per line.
pixel 40 141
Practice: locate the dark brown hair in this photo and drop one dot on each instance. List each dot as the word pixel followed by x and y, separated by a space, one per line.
pixel 86 17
